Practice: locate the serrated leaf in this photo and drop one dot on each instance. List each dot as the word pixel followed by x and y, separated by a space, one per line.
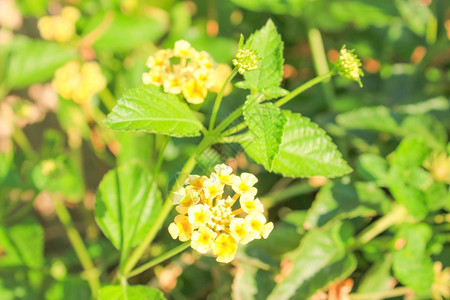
pixel 126 205
pixel 378 118
pixel 337 201
pixel 265 122
pixel 134 292
pixel 32 61
pixel 22 244
pixel 320 259
pixel 149 109
pixel 268 46
pixel 412 266
pixel 305 150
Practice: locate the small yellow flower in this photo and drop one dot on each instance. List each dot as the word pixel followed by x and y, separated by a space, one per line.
pixel 199 215
pixel 225 248
pixel 173 84
pixel 440 289
pixel 349 65
pixel 244 184
pixel 241 231
pixel 185 198
pixel 205 77
pixel 212 186
pixel 180 228
pixel 155 76
pixel 249 204
pixel 70 13
pixel 203 239
pixel 196 182
pixel 258 225
pixel 182 48
pixel 224 174
pixel 194 92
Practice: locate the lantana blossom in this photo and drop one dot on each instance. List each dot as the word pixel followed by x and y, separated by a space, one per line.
pixel 215 220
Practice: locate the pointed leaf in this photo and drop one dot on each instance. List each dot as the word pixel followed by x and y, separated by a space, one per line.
pixel 377 118
pixel 305 150
pixel 126 205
pixel 266 123
pixel 268 46
pixel 149 109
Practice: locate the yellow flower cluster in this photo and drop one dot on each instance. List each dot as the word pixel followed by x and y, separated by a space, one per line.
pixel 439 166
pixel 245 60
pixel 79 81
pixel 60 28
pixel 348 65
pixel 208 219
pixel 181 70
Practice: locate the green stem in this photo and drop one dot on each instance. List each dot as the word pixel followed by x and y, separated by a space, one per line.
pixel 188 167
pixel 397 215
pixel 107 98
pixel 159 259
pixel 22 141
pixel 320 61
pixel 160 159
pixel 382 295
pixel 304 87
pixel 78 245
pixel 219 99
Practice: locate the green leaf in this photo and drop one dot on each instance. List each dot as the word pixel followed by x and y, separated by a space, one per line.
pixel 428 128
pixel 126 205
pixel 22 244
pixel 372 167
pixel 377 118
pixel 378 278
pixel 337 201
pixel 411 152
pixel 437 196
pixel 71 288
pixel 149 109
pixel 412 265
pixel 127 33
pixel 134 292
pixel 320 259
pixel 268 46
pixel 265 122
pixel 59 175
pixel 412 198
pixel 32 61
pixel 305 150
pixel 251 282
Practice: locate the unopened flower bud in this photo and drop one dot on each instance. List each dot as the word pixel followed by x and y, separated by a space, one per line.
pixel 245 60
pixel 348 65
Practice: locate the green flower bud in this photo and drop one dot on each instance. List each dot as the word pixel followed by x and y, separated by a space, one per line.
pixel 348 65
pixel 245 60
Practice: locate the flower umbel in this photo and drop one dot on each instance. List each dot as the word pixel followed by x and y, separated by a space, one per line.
pixel 60 28
pixel 215 222
pixel 182 70
pixel 348 65
pixel 79 81
pixel 245 60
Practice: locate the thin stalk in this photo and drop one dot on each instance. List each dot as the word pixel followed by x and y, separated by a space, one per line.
pixel 383 294
pixel 280 102
pixel 22 141
pixel 188 167
pixel 304 87
pixel 159 259
pixel 320 61
pixel 107 98
pixel 78 245
pixel 397 215
pixel 160 159
pixel 219 99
